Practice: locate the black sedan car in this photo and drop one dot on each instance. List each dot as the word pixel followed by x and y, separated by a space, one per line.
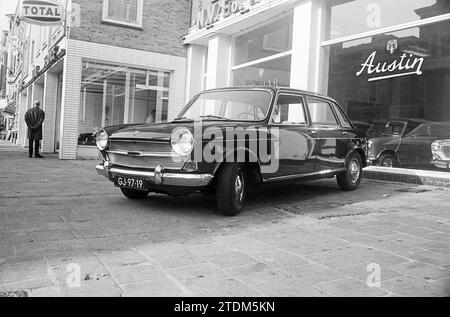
pixel 227 140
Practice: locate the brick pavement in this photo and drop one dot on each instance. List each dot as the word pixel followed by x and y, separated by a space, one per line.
pixel 298 240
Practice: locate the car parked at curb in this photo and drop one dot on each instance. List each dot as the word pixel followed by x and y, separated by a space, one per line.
pixel 385 136
pixel 228 140
pixel 441 154
pixel 413 150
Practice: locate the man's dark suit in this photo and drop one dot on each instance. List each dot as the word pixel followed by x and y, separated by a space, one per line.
pixel 34 119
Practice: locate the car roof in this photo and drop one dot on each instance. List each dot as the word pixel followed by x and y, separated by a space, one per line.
pixel 274 90
pixel 418 121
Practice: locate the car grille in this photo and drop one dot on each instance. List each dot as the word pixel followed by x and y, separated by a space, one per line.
pixel 152 155
pixel 446 151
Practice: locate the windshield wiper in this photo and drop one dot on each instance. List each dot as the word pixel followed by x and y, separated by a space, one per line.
pixel 210 116
pixel 182 118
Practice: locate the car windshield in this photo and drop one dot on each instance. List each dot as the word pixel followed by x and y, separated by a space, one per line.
pixel 236 105
pixel 432 130
pixel 389 128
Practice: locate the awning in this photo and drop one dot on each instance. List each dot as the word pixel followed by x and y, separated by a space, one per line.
pixel 10 107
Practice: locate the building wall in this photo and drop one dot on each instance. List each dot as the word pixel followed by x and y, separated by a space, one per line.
pixel 164 23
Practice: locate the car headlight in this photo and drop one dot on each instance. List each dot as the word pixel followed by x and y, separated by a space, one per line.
pixel 435 147
pixel 182 142
pixel 102 140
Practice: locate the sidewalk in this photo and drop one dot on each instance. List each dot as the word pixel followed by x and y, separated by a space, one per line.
pixel 65 231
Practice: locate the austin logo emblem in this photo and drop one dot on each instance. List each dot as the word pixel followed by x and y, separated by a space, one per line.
pixel 392 45
pixel 137 132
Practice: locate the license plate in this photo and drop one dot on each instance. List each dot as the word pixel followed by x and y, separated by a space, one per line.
pixel 131 182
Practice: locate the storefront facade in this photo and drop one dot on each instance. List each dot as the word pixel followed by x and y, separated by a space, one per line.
pixel 107 62
pixel 386 62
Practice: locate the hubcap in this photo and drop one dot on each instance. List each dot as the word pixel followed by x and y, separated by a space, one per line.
pixel 354 170
pixel 239 187
pixel 387 162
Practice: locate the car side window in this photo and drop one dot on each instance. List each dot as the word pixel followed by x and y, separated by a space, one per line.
pixel 321 113
pixel 345 122
pixel 289 110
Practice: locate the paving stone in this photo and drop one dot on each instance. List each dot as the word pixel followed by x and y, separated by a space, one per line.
pixel 302 248
pixel 438 236
pixel 19 269
pixel 290 288
pixel 362 271
pixel 430 257
pixel 257 273
pixel 411 287
pixel 174 257
pixel 421 270
pixel 244 244
pixel 155 288
pixel 334 259
pixel 26 285
pixel 436 246
pixel 407 239
pixel 413 230
pixel 229 259
pixel 348 287
pixel 279 259
pixel 314 273
pixel 135 273
pixel 228 287
pixel 104 287
pixel 120 258
pixel 52 235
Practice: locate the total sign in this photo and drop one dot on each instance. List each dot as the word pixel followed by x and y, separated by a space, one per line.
pixel 41 12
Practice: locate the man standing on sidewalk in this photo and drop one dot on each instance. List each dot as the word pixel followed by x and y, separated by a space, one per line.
pixel 34 119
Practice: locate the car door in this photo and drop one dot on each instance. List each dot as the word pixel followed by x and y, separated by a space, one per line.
pixel 407 150
pixel 289 127
pixel 332 143
pixel 348 134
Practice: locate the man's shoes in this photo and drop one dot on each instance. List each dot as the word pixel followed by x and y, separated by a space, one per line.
pixel 39 156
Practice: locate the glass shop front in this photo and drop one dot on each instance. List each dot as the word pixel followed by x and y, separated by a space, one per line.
pixel 395 85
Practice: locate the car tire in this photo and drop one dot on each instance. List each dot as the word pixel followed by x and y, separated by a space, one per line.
pixel 231 189
pixel 134 194
pixel 388 160
pixel 351 178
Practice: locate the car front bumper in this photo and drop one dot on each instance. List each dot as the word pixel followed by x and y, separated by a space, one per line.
pixel 157 177
pixel 441 164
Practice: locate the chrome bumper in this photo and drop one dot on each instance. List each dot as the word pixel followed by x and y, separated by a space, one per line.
pixel 441 163
pixel 158 177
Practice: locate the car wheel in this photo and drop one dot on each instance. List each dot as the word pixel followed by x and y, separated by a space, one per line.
pixel 351 178
pixel 231 188
pixel 134 194
pixel 388 160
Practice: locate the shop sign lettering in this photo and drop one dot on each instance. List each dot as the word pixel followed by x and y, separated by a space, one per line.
pixel 41 12
pixel 221 9
pixel 262 83
pixel 405 65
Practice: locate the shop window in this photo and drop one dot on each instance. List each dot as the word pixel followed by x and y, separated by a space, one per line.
pixel 128 12
pixel 263 56
pixel 115 95
pixel 355 17
pixel 398 83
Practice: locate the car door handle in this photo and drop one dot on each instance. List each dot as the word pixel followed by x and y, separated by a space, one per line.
pixel 312 132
